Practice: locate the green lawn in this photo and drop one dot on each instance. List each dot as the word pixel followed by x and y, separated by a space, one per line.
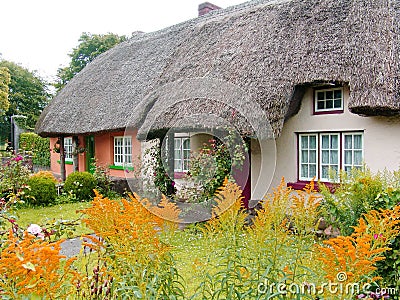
pixel 52 214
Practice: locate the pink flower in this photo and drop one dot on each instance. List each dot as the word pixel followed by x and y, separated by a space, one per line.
pixel 17 158
pixel 34 229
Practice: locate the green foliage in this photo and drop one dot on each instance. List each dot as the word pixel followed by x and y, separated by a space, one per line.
pixel 356 194
pixel 5 80
pixel 213 163
pixel 81 184
pixel 28 95
pixel 13 179
pixel 89 47
pixel 38 146
pixel 103 180
pixel 42 190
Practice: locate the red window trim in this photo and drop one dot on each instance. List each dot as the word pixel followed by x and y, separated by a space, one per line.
pixel 328 112
pixel 301 184
pixel 318 133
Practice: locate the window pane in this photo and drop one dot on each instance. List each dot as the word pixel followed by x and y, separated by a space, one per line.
pixel 313 142
pixel 321 104
pixel 333 172
pixel 334 159
pixel 325 156
pixel 347 157
pixel 329 95
pixel 329 104
pixel 304 171
pixel 186 144
pixel 320 96
pixel 357 141
pixel 334 142
pixel 304 142
pixel 177 143
pixel 338 94
pixel 348 142
pixel 304 156
pixel 186 154
pixel 325 172
pixel 185 165
pixel 313 156
pixel 313 170
pixel 177 154
pixel 325 142
pixel 358 157
pixel 337 103
pixel 177 164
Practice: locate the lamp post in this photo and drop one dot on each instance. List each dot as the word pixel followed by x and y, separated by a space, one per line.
pixel 15 131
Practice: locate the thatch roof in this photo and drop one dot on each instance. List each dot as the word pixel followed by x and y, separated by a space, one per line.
pixel 270 50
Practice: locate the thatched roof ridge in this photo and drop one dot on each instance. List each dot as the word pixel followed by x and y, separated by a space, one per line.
pixel 266 48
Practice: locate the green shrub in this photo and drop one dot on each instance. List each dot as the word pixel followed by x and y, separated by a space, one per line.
pixel 45 174
pixel 13 178
pixel 81 184
pixel 42 190
pixel 358 193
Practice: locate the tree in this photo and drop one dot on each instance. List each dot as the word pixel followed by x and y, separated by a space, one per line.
pixel 28 95
pixel 90 46
pixel 4 82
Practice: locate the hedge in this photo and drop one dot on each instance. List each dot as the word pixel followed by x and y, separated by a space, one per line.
pixel 38 146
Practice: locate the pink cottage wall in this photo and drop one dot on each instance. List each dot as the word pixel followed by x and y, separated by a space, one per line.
pixel 104 154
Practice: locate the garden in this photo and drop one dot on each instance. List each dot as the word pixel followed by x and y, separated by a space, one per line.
pixel 139 249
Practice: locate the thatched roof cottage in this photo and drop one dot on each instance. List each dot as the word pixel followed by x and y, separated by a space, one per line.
pixel 322 73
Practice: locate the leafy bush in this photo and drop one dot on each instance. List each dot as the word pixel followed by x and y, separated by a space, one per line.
pixel 38 146
pixel 42 190
pixel 81 184
pixel 103 180
pixel 358 193
pixel 212 164
pixel 13 178
pixel 45 174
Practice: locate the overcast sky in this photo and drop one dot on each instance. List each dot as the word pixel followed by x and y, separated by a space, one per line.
pixel 39 34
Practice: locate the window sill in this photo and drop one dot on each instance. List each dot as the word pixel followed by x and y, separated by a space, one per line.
pixel 67 162
pixel 300 185
pixel 179 175
pixel 114 167
pixel 329 112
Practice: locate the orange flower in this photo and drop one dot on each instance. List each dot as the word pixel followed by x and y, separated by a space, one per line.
pixel 34 266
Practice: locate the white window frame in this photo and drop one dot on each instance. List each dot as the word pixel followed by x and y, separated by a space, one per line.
pixel 68 148
pixel 352 149
pixel 300 163
pixel 181 161
pixel 320 110
pixel 341 153
pixel 123 156
pixel 329 164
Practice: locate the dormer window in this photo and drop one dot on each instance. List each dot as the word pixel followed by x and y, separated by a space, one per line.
pixel 328 100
